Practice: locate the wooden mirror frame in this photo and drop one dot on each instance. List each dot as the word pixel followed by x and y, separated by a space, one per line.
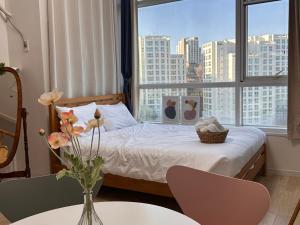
pixel 16 136
pixel 21 116
pixel 295 214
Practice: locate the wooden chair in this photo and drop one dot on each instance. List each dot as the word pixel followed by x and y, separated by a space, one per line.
pixel 212 199
pixel 26 197
pixel 295 214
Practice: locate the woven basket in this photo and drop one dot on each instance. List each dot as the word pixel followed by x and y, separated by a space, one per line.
pixel 212 137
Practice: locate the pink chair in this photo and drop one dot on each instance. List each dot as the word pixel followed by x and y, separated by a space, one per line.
pixel 211 199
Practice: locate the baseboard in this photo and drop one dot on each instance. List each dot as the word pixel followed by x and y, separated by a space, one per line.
pixel 292 173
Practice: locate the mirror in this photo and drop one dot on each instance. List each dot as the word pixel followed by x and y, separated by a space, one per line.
pixel 11 117
pixel 8 115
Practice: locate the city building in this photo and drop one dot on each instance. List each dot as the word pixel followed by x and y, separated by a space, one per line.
pixel 189 48
pixel 158 66
pixel 219 66
pixel 267 56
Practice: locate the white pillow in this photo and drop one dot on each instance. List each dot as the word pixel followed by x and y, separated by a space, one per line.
pixel 116 116
pixel 84 113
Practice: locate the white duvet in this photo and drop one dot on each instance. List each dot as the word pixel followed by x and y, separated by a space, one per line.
pixel 147 151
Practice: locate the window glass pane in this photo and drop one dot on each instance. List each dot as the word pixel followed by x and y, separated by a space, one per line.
pixel 267 51
pixel 218 102
pixel 265 106
pixel 187 41
pixel 177 44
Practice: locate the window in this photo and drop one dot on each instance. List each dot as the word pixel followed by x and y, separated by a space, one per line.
pixel 264 39
pixel 240 75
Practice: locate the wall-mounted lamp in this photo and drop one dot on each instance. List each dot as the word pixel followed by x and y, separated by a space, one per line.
pixel 8 18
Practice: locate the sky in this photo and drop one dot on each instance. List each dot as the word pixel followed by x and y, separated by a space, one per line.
pixel 210 20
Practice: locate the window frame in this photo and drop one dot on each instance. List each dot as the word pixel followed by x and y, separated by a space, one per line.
pixel 241 65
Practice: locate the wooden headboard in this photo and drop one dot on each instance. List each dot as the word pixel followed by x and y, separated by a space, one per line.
pixel 112 99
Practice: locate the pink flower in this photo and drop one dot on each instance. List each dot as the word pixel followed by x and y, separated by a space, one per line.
pixel 57 140
pixel 49 98
pixel 77 130
pixel 94 123
pixel 69 129
pixel 69 117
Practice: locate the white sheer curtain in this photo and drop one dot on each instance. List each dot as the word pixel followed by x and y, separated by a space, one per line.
pixel 84 46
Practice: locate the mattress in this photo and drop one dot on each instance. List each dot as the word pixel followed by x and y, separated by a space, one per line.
pixel 147 151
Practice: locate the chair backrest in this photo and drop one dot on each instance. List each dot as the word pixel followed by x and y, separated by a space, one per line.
pixel 212 199
pixel 26 197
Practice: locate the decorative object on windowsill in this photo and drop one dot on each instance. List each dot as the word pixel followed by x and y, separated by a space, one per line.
pixel 210 131
pixel 190 107
pixel 170 109
pixel 86 169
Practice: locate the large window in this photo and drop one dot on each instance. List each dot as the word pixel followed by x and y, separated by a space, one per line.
pixel 230 53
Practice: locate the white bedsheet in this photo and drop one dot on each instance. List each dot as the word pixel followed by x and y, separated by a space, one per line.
pixel 147 151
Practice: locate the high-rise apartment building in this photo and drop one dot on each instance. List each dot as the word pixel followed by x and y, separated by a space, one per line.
pixel 157 66
pixel 189 48
pixel 267 56
pixel 219 67
pixel 154 52
pixel 192 50
pixel 216 60
pixel 180 47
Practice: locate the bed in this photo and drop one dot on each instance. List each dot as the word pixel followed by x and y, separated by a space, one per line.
pixel 138 157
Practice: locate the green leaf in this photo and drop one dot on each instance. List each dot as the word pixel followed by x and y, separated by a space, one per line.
pixel 61 174
pixel 98 161
pixel 86 173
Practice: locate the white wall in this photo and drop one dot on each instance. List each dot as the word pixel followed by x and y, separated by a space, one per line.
pixel 3 39
pixel 283 155
pixel 34 73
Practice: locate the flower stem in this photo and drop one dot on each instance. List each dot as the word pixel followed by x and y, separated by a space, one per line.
pixel 79 148
pixel 99 136
pixel 91 145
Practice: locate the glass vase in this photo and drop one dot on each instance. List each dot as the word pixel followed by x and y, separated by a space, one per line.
pixel 89 215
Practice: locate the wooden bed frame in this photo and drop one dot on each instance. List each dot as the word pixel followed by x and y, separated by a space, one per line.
pixel 256 165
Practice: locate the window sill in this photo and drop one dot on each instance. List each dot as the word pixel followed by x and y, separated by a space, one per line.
pixel 279 132
pixel 273 131
pixel 276 132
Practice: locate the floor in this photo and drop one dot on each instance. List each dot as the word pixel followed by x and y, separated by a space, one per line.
pixel 285 192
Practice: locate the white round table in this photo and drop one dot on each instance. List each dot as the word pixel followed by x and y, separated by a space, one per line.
pixel 112 213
